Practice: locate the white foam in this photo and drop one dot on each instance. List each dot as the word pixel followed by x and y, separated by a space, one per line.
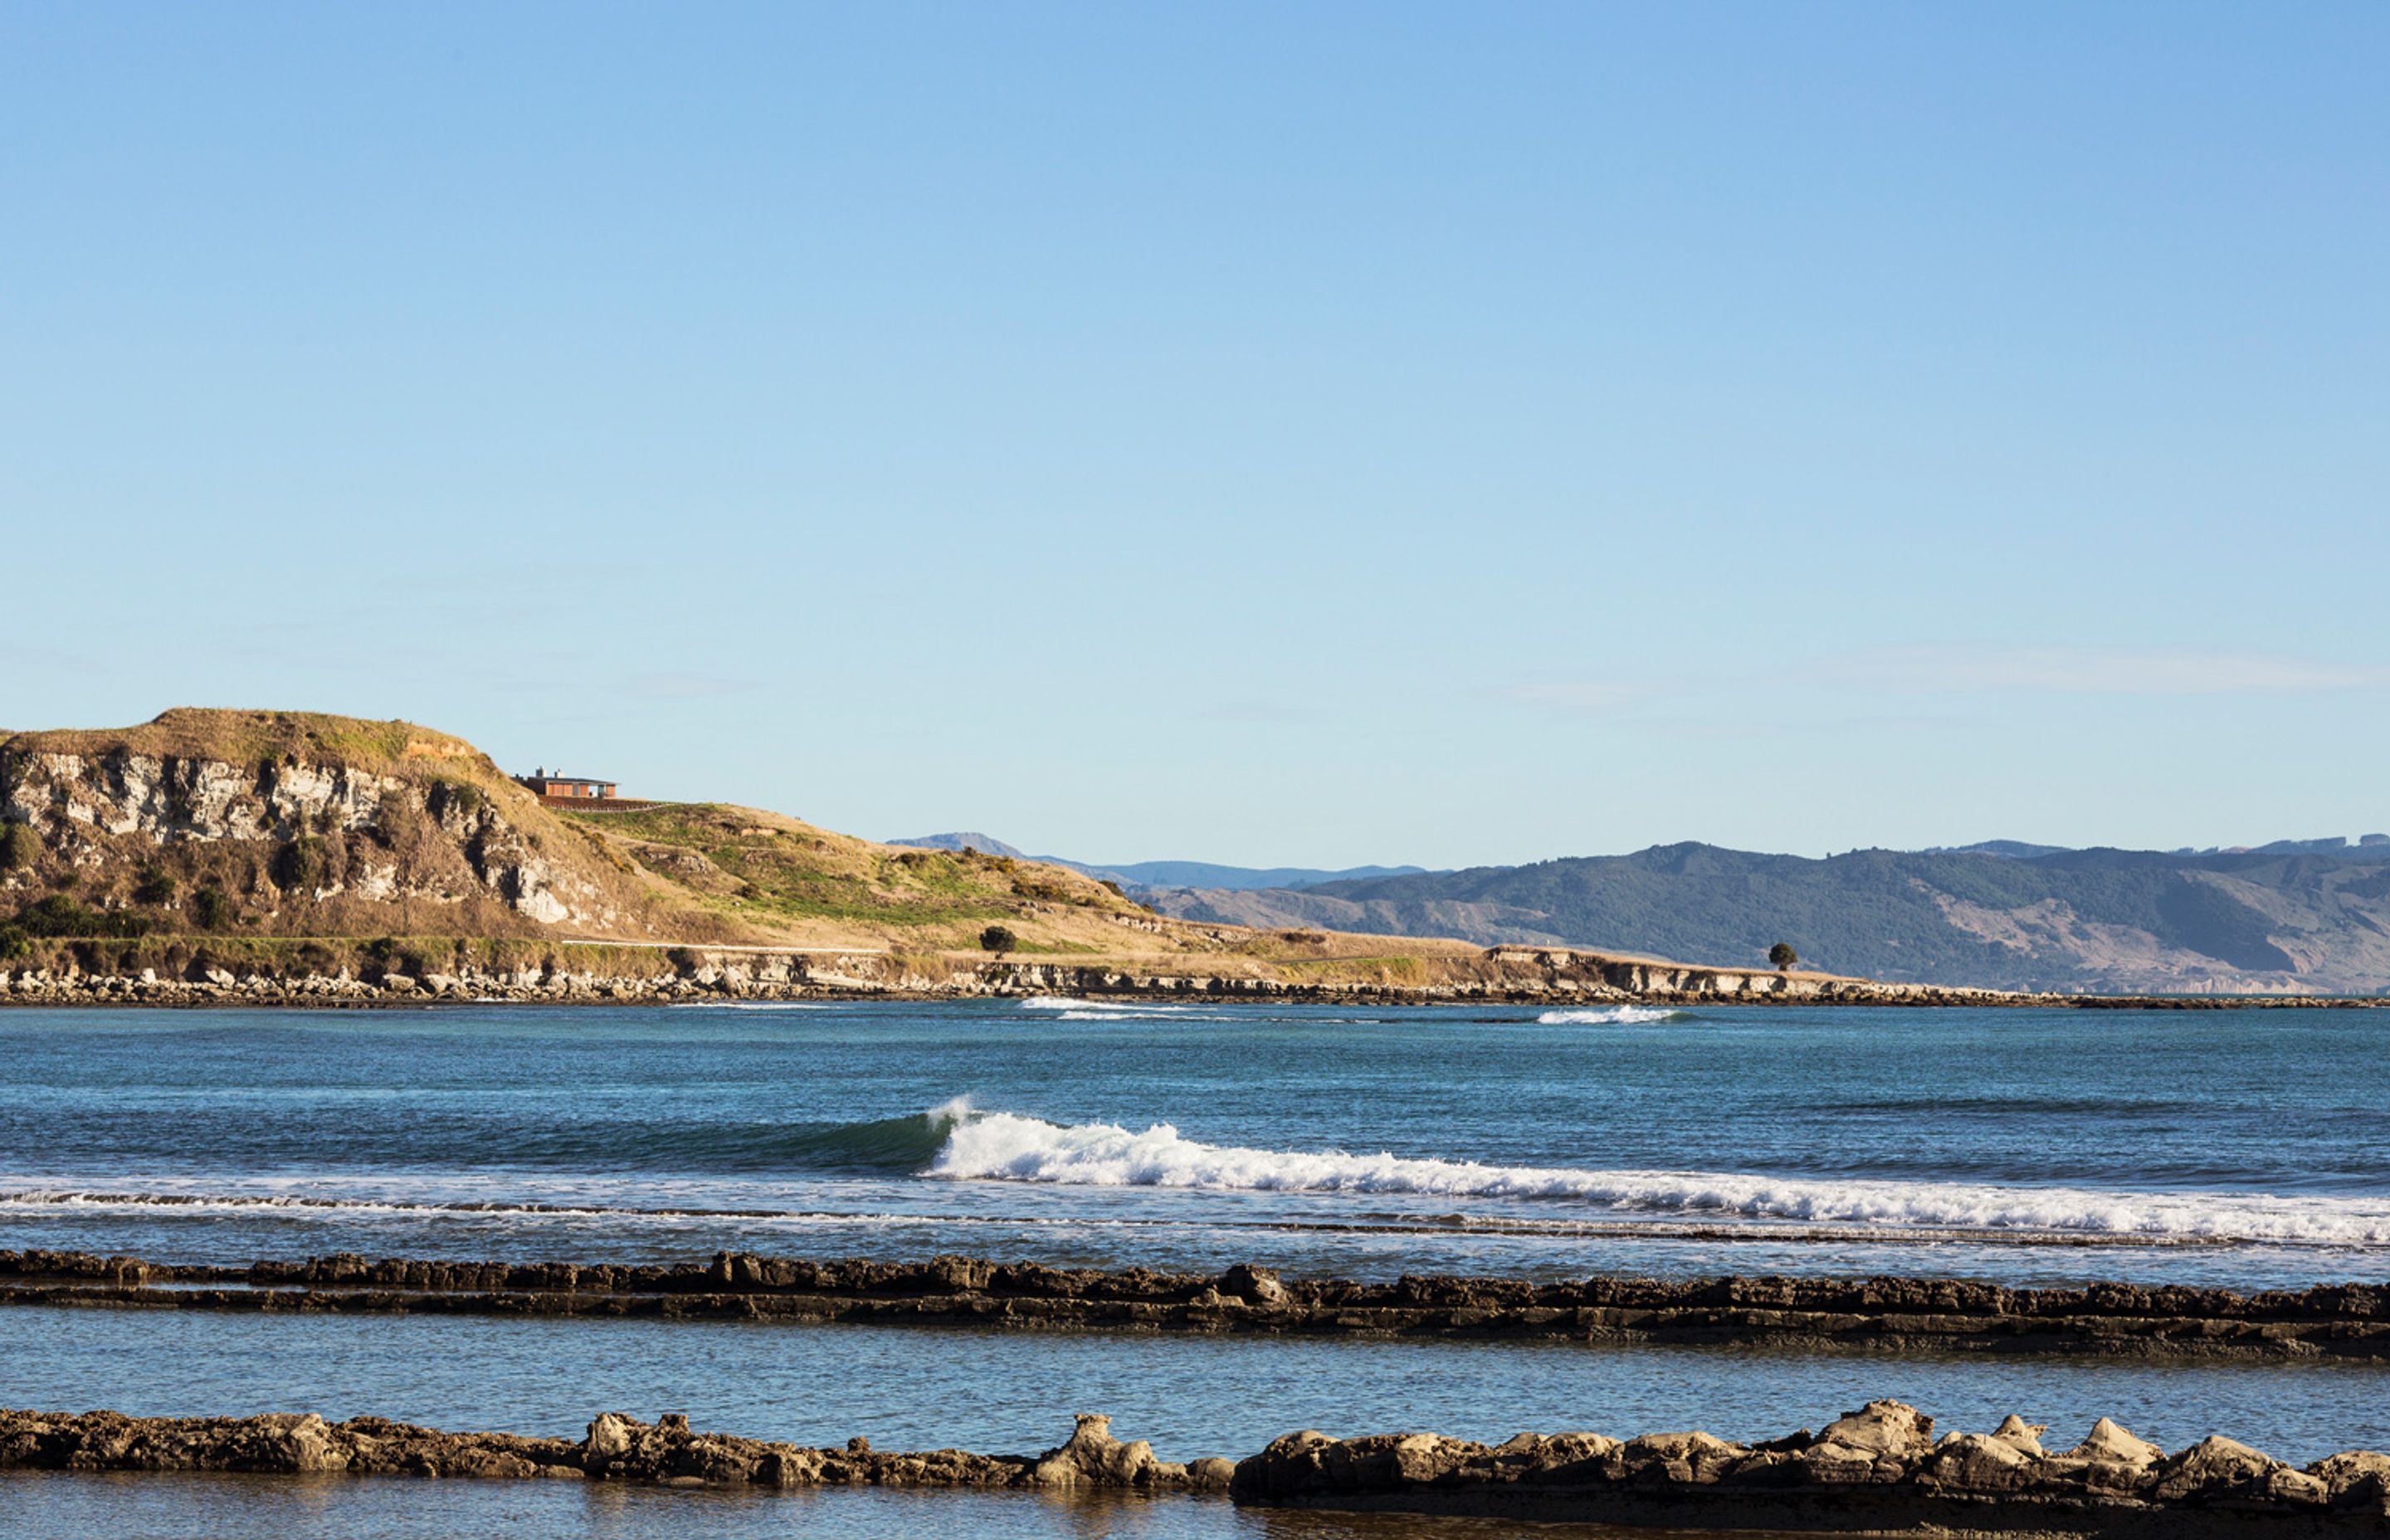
pixel 1006 1147
pixel 1081 1009
pixel 1607 1015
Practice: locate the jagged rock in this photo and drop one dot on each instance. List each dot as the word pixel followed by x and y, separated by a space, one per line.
pixel 2014 1429
pixel 2213 1466
pixel 1881 1429
pixel 2109 1442
pixel 1093 1458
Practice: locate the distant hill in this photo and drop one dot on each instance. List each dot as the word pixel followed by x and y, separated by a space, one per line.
pixel 1202 873
pixel 2311 917
pixel 1137 876
pixel 2016 850
pixel 986 844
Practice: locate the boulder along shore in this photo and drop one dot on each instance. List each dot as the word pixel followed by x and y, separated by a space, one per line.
pixel 866 978
pixel 2349 1322
pixel 596 972
pixel 1876 1469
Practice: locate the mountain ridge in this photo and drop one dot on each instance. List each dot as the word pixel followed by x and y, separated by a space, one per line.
pixel 2270 920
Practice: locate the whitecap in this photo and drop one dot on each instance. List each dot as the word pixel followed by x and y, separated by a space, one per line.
pixel 1008 1146
pixel 1622 1015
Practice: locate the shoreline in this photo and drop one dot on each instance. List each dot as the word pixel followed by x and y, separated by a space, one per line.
pixel 1877 1469
pixel 2329 1323
pixel 790 978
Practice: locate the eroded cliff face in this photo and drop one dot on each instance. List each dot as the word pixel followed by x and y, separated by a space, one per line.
pixel 165 799
pixel 285 837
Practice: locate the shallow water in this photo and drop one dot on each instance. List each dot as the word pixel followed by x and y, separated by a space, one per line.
pixel 233 1507
pixel 2247 1148
pixel 2241 1147
pixel 1015 1392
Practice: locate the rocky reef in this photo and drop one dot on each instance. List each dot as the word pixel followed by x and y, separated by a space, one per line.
pixel 1879 1315
pixel 686 974
pixel 1878 1469
pixel 765 973
pixel 618 1447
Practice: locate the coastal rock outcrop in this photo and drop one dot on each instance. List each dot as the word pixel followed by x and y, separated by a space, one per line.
pixel 1878 1315
pixel 618 1447
pixel 1876 1468
pixel 363 833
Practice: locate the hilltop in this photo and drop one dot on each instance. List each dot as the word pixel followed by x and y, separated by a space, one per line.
pixel 288 823
pixel 249 848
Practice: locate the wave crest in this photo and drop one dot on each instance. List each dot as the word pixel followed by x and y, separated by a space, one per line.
pixel 1008 1146
pixel 1612 1015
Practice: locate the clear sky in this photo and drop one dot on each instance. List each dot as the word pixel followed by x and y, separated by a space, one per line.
pixel 1280 434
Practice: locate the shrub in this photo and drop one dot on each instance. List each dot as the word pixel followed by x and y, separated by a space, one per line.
pixel 18 846
pixel 61 916
pixel 998 940
pixel 299 866
pixel 1782 956
pixel 14 943
pixel 155 888
pixel 210 908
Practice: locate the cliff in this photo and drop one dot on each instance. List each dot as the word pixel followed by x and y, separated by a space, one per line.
pixel 278 823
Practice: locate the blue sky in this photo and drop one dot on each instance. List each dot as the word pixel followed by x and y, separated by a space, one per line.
pixel 1287 433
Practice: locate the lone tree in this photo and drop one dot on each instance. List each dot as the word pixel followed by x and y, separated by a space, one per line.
pixel 1782 956
pixel 998 940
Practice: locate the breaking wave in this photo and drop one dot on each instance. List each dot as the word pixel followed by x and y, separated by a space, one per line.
pixel 1115 1009
pixel 1009 1147
pixel 1612 1015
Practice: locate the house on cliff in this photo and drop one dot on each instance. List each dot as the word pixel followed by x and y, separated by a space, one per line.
pixel 562 787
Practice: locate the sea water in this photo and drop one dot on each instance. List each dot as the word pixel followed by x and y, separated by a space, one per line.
pixel 2241 1147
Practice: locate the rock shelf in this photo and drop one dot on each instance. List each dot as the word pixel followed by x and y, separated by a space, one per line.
pixel 618 1447
pixel 1882 1315
pixel 1876 1469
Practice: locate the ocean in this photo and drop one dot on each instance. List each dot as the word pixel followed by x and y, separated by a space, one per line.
pixel 2245 1147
